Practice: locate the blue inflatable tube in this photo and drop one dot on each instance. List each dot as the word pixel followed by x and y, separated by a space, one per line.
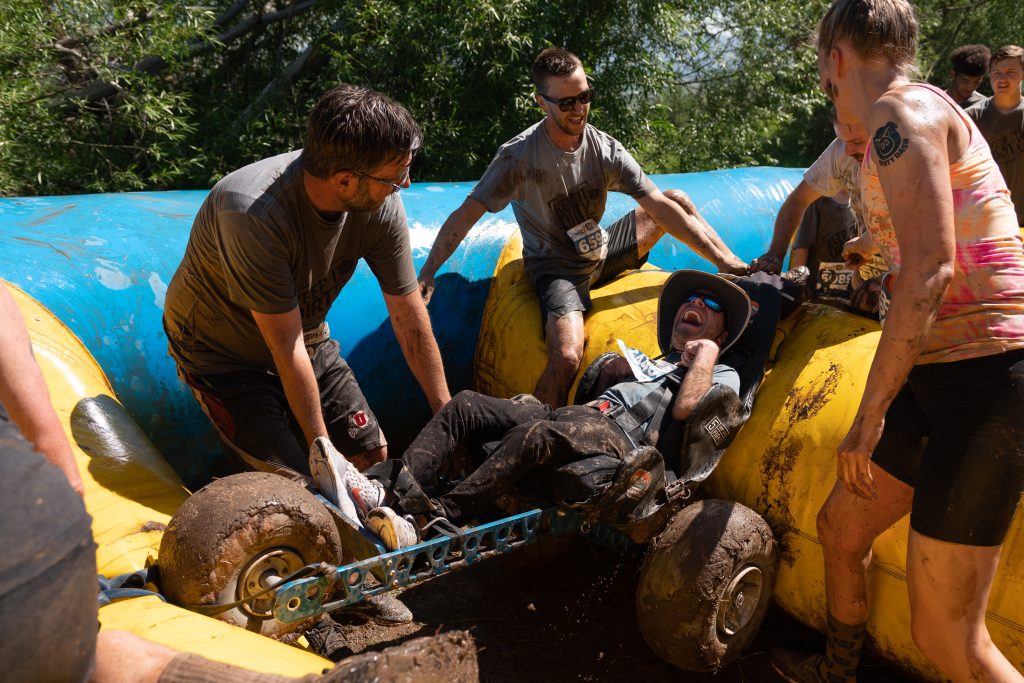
pixel 101 263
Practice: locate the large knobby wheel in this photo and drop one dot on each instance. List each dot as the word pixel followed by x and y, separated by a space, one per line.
pixel 240 535
pixel 705 585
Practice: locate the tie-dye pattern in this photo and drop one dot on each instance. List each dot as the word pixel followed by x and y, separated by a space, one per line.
pixel 983 311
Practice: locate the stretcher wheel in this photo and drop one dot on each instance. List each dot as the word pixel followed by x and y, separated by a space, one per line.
pixel 705 585
pixel 240 535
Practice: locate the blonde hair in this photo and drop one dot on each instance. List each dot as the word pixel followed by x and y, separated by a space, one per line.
pixel 875 28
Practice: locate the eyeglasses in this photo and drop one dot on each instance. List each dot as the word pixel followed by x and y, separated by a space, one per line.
pixel 569 103
pixel 395 187
pixel 711 303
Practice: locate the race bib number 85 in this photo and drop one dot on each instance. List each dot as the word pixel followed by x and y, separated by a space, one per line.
pixel 590 240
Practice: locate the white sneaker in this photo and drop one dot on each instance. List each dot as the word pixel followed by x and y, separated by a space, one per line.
pixel 394 531
pixel 341 482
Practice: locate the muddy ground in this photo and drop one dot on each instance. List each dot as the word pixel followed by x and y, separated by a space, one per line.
pixel 565 611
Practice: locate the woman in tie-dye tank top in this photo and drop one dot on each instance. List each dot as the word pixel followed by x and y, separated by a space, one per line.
pixel 940 429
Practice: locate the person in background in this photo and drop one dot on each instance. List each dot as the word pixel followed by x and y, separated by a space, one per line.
pixel 1000 119
pixel 968 65
pixel 827 225
pixel 834 176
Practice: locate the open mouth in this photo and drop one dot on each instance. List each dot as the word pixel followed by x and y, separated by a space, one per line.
pixel 692 318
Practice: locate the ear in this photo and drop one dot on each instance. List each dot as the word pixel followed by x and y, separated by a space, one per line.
pixel 839 59
pixel 722 339
pixel 540 101
pixel 344 180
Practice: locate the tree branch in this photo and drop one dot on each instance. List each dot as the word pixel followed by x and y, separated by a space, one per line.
pixel 151 65
pixel 283 80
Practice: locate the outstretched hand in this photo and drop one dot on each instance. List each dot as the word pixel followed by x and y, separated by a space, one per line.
pixel 854 457
pixel 766 262
pixel 735 267
pixel 858 250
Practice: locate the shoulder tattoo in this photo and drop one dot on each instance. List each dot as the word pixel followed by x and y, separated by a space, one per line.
pixel 889 144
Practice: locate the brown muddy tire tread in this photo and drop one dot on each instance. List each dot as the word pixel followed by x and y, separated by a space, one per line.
pixel 221 528
pixel 710 551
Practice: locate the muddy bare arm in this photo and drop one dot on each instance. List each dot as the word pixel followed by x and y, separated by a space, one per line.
pixel 411 323
pixel 786 222
pixel 680 218
pixel 911 150
pixel 283 334
pixel 454 230
pixel 24 394
pixel 700 356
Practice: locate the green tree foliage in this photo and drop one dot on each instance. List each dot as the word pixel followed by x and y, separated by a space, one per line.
pixel 112 95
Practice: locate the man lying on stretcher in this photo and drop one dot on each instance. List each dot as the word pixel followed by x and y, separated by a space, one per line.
pixel 700 316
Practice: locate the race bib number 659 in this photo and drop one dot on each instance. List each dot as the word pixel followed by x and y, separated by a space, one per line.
pixel 590 240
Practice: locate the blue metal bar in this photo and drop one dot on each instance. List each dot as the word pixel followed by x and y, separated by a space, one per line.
pixel 303 598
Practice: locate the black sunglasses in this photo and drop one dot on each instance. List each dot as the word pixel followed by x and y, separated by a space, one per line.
pixel 569 103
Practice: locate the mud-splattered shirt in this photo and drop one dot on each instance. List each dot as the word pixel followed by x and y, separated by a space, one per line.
pixel 835 171
pixel 1004 132
pixel 982 312
pixel 258 244
pixel 630 393
pixel 553 191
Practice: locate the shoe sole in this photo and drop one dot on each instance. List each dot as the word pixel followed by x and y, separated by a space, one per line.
pixel 384 524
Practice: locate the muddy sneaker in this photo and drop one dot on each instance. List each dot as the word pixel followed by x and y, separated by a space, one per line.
pixel 394 531
pixel 335 477
pixel 526 398
pixel 381 609
pixel 327 638
pixel 796 666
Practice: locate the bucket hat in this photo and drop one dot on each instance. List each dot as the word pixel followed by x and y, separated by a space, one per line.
pixel 682 284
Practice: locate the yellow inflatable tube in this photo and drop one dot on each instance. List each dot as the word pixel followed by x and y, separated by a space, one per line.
pixel 783 462
pixel 131 493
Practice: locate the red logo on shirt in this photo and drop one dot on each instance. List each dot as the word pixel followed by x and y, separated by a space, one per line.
pixel 359 419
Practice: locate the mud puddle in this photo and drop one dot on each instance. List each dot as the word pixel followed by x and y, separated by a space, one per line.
pixel 565 611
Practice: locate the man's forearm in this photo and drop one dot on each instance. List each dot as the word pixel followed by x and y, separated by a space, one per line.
pixel 690 228
pixel 303 393
pixel 696 383
pixel 416 338
pixel 450 236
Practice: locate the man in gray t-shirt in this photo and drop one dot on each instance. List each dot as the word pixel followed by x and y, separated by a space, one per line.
pixel 557 175
pixel 1000 119
pixel 270 249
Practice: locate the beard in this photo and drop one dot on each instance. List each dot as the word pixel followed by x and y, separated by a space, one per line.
pixel 363 202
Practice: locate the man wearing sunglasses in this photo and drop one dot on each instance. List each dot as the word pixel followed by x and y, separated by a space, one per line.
pixel 700 315
pixel 557 175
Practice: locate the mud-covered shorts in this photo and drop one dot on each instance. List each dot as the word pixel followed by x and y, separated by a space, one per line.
pixel 563 294
pixel 252 416
pixel 48 583
pixel 955 432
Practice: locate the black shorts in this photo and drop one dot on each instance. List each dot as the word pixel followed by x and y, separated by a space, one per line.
pixel 48 587
pixel 955 432
pixel 252 416
pixel 563 294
